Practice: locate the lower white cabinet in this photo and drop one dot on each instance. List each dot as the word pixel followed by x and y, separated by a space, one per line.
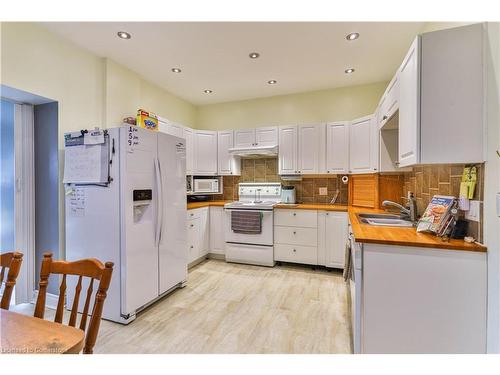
pixel 310 237
pixel 217 240
pixel 198 233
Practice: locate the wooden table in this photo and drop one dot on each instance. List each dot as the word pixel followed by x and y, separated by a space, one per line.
pixel 22 334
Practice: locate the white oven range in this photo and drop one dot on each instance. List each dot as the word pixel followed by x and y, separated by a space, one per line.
pixel 249 224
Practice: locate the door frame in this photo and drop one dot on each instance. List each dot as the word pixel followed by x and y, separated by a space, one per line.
pixel 24 199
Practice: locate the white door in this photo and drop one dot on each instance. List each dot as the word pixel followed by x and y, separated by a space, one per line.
pixel 172 229
pixel 360 147
pixel 266 136
pixel 244 138
pixel 226 163
pixel 287 153
pixel 308 149
pixel 188 136
pixel 205 152
pixel 216 222
pixel 337 147
pixel 139 255
pixel 409 107
pixel 336 238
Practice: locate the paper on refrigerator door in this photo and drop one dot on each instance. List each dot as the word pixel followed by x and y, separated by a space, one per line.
pixel 86 164
pixel 76 202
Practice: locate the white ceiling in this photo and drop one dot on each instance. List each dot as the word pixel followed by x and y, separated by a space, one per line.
pixel 301 56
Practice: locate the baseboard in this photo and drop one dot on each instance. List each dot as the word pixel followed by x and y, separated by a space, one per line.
pixel 216 256
pixel 51 300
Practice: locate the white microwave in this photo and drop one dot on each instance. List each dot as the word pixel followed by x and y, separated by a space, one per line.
pixel 206 185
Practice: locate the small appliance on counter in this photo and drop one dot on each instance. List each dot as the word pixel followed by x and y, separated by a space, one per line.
pixel 288 194
pixel 203 185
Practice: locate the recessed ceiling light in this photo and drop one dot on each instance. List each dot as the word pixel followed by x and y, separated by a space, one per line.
pixel 350 70
pixel 207 91
pixel 123 35
pixel 176 70
pixel 254 55
pixel 352 36
pixel 272 82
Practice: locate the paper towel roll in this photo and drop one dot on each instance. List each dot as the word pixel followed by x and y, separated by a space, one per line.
pixel 345 180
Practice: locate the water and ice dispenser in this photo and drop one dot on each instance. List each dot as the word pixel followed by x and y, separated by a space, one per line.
pixel 142 204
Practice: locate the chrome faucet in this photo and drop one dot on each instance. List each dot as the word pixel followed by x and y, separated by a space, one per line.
pixel 410 212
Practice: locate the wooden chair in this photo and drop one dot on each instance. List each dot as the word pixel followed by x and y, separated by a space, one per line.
pixel 91 268
pixel 13 262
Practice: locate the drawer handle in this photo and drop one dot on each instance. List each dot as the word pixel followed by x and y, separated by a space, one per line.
pixel 192 214
pixel 192 225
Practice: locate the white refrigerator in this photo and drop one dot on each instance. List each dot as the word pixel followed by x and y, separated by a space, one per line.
pixel 137 221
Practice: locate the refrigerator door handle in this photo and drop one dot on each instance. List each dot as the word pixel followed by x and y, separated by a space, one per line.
pixel 159 204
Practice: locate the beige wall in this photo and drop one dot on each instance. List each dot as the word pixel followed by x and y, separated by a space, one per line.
pixel 338 104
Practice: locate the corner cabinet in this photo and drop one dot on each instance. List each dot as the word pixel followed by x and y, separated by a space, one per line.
pixel 337 147
pixel 363 145
pixel 227 164
pixel 409 97
pixel 205 152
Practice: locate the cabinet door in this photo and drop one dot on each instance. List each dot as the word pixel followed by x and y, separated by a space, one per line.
pixel 287 158
pixel 266 136
pixel 336 238
pixel 204 232
pixel 244 138
pixel 188 135
pixel 193 239
pixel 360 145
pixel 217 241
pixel 308 151
pixel 226 163
pixel 337 147
pixel 171 128
pixel 205 152
pixel 409 107
pixel 390 102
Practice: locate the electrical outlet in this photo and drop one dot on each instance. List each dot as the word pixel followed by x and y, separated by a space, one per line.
pixel 323 191
pixel 474 211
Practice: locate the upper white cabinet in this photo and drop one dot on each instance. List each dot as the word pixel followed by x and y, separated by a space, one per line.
pixel 227 164
pixel 172 128
pixel 287 158
pixel 205 152
pixel 337 147
pixel 363 145
pixel 389 103
pixel 409 89
pixel 189 135
pixel 299 149
pixel 244 138
pixel 264 136
pixel 308 149
pixel 452 95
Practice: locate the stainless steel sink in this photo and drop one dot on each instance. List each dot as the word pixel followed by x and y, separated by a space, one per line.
pixel 387 220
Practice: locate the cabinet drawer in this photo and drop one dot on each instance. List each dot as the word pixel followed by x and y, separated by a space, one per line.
pixel 195 213
pixel 296 254
pixel 296 236
pixel 296 218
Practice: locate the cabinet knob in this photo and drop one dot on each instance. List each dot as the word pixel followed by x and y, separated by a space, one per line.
pixel 192 214
pixel 384 118
pixel 294 250
pixel 327 171
pixel 191 246
pixel 294 232
pixel 294 214
pixel 327 214
pixel 191 225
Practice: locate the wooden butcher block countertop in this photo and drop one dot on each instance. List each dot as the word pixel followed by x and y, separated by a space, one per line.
pixel 402 236
pixel 366 233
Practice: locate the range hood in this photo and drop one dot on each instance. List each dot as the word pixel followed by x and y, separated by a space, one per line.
pixel 255 151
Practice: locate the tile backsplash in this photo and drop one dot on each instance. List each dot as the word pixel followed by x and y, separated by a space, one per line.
pixel 266 170
pixel 443 179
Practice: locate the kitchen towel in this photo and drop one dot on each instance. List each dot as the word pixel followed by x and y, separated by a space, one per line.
pixel 347 262
pixel 246 222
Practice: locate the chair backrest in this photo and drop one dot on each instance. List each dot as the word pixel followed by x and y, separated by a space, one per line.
pixel 91 268
pixel 13 262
